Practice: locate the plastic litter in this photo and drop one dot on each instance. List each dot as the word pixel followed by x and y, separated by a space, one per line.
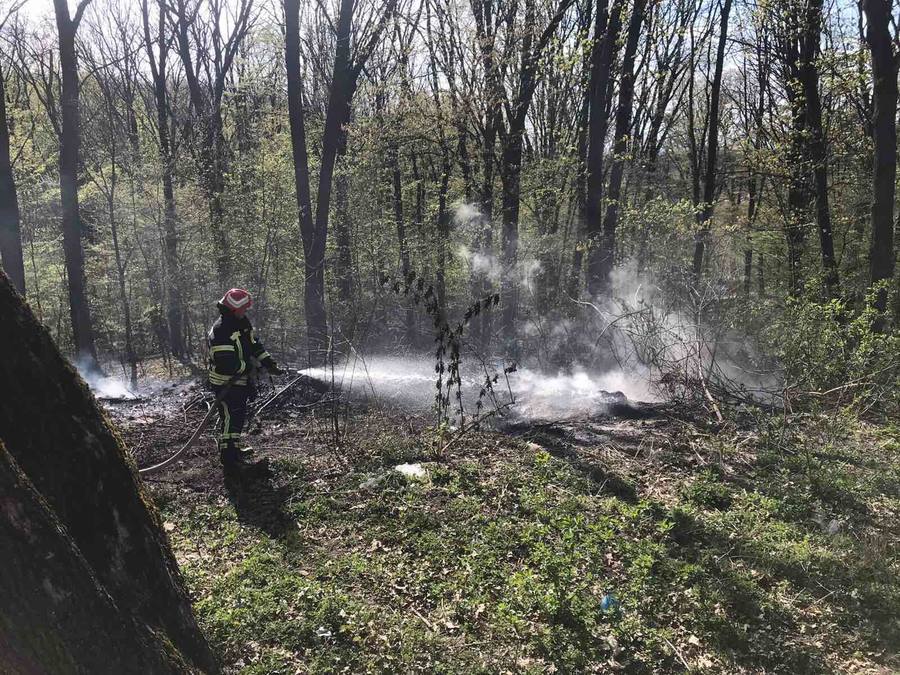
pixel 416 471
pixel 609 603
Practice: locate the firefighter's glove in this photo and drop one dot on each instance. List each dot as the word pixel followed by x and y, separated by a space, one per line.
pixel 273 368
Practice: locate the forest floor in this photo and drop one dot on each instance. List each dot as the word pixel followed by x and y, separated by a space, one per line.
pixel 591 545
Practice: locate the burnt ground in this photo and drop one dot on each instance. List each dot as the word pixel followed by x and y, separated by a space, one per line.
pixel 643 541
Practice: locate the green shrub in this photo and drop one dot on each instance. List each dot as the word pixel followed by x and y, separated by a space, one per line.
pixel 708 491
pixel 830 352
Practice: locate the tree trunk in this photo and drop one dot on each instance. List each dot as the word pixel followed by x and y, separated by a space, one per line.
pixel 884 73
pixel 314 292
pixel 174 309
pixel 10 234
pixel 55 617
pixel 484 244
pixel 620 148
pixel 314 232
pixel 130 356
pixel 443 223
pixel 214 172
pixel 393 161
pixel 484 13
pixel 606 36
pixel 343 271
pixel 208 115
pixel 510 178
pixel 751 217
pixel 77 463
pixel 799 194
pixel 82 326
pixel 573 285
pixel 818 155
pixel 712 148
pixel 338 102
pixel 511 158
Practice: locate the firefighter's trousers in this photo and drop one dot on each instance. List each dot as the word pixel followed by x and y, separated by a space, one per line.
pixel 232 414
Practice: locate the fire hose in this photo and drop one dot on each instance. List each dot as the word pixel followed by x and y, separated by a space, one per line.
pixel 197 431
pixel 213 408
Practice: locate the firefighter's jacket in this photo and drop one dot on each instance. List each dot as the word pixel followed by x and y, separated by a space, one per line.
pixel 233 346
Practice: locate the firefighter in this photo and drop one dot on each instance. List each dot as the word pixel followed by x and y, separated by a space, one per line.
pixel 234 352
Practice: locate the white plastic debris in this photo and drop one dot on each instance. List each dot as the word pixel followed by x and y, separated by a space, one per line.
pixel 322 632
pixel 416 471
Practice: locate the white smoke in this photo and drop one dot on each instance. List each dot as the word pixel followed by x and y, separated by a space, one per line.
pixel 464 214
pixel 410 383
pixel 525 271
pixel 104 386
pixel 639 316
pixel 573 395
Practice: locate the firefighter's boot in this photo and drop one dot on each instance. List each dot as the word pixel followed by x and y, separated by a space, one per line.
pixel 230 456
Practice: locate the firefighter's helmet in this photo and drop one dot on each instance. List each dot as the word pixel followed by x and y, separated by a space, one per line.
pixel 237 300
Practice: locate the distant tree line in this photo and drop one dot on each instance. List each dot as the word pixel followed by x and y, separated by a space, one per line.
pixel 153 154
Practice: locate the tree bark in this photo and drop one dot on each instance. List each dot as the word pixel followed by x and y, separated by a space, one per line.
pixel 215 60
pixel 799 192
pixel 55 617
pixel 510 178
pixel 533 46
pixel 77 463
pixel 620 148
pixel 443 227
pixel 314 293
pixel 342 232
pixel 130 356
pixel 393 161
pixel 10 234
pixel 70 137
pixel 484 239
pixel 158 70
pixel 709 179
pixel 751 217
pixel 884 72
pixel 606 36
pixel 573 284
pixel 314 232
pixel 818 155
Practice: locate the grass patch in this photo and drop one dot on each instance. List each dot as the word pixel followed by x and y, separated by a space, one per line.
pixel 501 558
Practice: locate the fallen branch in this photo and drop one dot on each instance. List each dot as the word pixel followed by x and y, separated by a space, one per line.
pixel 709 396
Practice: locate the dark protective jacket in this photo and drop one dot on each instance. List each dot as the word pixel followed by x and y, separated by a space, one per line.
pixel 232 346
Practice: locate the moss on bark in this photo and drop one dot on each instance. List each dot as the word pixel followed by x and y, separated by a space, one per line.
pixel 58 436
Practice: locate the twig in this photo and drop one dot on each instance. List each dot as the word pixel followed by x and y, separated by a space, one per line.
pixel 677 653
pixel 474 423
pixel 424 620
pixel 709 396
pixel 279 393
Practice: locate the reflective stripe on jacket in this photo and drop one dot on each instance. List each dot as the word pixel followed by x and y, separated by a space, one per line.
pixel 232 342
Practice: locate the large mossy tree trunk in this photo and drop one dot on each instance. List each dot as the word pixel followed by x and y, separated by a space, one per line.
pixel 54 430
pixel 55 617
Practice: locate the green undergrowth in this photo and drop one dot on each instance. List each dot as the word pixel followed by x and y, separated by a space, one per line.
pixel 500 560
